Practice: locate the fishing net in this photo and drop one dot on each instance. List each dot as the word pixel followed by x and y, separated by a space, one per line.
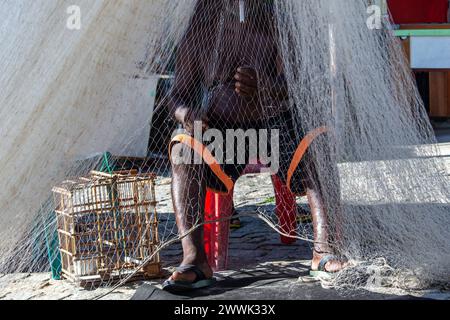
pixel 336 111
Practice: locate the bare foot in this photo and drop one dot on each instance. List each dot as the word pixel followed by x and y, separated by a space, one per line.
pixel 334 265
pixel 191 276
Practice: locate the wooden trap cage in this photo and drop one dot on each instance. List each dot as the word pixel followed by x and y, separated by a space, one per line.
pixel 108 227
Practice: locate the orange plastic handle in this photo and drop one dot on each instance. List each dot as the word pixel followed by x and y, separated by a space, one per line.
pixel 301 150
pixel 206 155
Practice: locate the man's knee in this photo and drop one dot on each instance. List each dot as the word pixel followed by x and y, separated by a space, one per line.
pixel 181 154
pixel 187 171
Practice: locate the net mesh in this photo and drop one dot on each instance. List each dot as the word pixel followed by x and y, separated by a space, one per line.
pixel 78 100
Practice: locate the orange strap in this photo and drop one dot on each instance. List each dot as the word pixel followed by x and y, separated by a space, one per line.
pixel 301 150
pixel 209 159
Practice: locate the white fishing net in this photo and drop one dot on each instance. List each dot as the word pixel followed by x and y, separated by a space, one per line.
pixel 69 96
pixel 80 100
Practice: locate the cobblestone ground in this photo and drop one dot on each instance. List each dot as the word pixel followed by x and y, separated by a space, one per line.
pixel 260 267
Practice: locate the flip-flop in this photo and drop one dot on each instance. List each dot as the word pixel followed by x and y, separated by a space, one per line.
pixel 321 271
pixel 200 281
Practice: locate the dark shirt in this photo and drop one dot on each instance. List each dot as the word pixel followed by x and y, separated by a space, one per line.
pixel 214 46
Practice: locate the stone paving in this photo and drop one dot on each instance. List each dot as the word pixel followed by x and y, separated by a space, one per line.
pixel 260 269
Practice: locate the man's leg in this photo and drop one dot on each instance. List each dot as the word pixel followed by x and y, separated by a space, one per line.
pixel 324 234
pixel 188 194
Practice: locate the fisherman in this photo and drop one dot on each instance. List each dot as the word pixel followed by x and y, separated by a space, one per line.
pixel 229 75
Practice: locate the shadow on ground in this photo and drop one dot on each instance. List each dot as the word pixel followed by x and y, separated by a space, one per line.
pixel 263 284
pixel 261 268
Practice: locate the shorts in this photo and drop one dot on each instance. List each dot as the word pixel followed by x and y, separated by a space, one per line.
pixel 298 175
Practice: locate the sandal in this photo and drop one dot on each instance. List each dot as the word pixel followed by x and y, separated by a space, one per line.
pixel 200 281
pixel 321 271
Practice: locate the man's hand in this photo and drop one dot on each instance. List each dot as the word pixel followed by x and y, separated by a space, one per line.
pixel 246 82
pixel 187 117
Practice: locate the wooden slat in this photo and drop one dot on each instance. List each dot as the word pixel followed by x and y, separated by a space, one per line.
pixel 407 47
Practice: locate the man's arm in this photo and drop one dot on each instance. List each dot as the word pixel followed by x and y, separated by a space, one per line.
pixel 270 95
pixel 187 83
pixel 184 82
pixel 248 84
